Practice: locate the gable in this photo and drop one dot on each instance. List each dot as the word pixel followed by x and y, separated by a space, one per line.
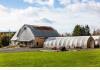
pixel 25 34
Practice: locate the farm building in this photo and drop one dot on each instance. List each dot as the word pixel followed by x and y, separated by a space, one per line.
pixel 70 42
pixel 33 36
pixel 47 37
pixel 97 41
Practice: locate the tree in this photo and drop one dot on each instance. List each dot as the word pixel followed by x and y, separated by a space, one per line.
pixel 87 30
pixel 5 40
pixel 77 30
pixel 96 32
pixel 81 30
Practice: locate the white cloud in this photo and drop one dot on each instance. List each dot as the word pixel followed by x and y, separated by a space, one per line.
pixel 40 2
pixel 3 10
pixel 62 19
pixel 29 1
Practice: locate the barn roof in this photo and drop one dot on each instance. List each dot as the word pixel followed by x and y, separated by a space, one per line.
pixel 38 31
pixel 43 31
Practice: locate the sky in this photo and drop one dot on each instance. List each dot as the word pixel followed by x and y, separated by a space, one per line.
pixel 62 15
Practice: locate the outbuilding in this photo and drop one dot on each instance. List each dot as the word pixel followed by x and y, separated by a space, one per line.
pixel 33 36
pixel 70 42
pixel 97 41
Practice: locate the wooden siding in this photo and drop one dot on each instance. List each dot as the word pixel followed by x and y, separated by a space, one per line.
pixel 39 41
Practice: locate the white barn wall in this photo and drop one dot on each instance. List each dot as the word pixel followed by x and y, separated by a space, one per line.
pixel 26 35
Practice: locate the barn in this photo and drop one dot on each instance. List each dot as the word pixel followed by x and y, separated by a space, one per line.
pixel 33 36
pixel 70 42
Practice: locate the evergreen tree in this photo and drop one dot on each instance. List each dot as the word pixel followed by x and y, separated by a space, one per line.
pixel 81 31
pixel 77 30
pixel 87 30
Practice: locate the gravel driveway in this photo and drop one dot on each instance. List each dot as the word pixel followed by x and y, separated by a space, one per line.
pixel 20 49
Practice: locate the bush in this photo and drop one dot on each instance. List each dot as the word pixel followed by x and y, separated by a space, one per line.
pixel 97 46
pixel 0 46
pixel 5 40
pixel 63 49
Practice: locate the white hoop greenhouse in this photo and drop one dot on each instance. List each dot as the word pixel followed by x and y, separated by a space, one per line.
pixel 97 41
pixel 70 42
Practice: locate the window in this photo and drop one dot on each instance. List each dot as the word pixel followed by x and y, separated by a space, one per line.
pixel 24 28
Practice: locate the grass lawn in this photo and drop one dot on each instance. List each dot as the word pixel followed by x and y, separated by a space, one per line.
pixel 81 58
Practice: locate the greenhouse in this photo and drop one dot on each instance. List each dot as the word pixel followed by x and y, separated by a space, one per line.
pixel 70 42
pixel 97 41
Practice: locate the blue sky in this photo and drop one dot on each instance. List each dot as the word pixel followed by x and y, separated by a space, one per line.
pixel 13 3
pixel 63 15
pixel 22 4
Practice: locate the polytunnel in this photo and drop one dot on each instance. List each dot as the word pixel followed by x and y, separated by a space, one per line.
pixel 97 41
pixel 70 42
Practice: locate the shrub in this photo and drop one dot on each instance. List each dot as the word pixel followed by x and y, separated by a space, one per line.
pixel 5 40
pixel 63 49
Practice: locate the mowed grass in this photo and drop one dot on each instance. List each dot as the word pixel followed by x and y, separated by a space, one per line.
pixel 83 58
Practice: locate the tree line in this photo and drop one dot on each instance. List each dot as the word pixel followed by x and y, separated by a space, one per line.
pixel 80 30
